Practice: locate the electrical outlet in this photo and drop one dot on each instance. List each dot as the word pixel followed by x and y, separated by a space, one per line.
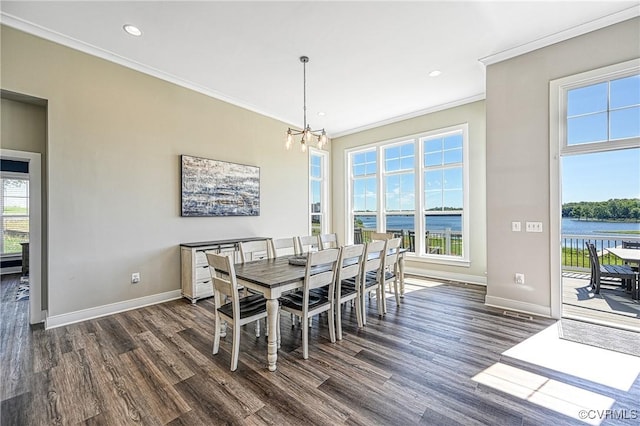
pixel 519 279
pixel 135 278
pixel 516 226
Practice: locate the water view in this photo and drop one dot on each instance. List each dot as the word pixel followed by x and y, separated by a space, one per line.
pixel 599 228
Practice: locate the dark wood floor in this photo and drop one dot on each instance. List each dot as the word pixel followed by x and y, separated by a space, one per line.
pixel 154 366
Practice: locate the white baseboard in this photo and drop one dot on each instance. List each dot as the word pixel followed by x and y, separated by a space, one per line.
pixel 515 305
pixel 112 308
pixel 441 275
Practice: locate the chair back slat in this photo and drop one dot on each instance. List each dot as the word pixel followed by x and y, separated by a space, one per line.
pixel 316 274
pixel 308 243
pixel 349 262
pixel 329 241
pixel 283 246
pixel 373 256
pixel 391 252
pixel 223 275
pixel 254 250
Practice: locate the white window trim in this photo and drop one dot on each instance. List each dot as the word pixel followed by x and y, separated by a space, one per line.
pixel 558 147
pixel 16 176
pixel 417 138
pixel 324 191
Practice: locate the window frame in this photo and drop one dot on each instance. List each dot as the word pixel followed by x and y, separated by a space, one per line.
pixel 325 226
pixel 419 205
pixel 559 90
pixel 14 176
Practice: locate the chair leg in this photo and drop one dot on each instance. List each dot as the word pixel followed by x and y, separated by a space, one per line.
pixel 332 323
pixel 339 320
pixel 258 328
pixel 362 309
pixel 235 349
pixel 359 312
pixel 216 334
pixel 396 288
pixel 305 338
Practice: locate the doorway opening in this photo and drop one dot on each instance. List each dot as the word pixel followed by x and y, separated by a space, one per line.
pixel 595 195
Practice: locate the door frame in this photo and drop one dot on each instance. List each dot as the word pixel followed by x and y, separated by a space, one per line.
pixel 558 148
pixel 36 314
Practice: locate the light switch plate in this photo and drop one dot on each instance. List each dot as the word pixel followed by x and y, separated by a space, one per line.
pixel 516 226
pixel 534 226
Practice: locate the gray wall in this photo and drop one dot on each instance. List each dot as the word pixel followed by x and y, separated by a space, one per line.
pixel 474 115
pixel 115 137
pixel 517 103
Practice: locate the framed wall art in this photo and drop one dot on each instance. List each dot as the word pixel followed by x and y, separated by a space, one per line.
pixel 219 188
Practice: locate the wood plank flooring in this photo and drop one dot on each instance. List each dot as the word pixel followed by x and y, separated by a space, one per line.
pixel 154 366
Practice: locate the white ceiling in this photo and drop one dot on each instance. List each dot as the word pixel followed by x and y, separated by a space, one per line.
pixel 368 60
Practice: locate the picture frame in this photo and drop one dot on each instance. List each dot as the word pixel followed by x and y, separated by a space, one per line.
pixel 218 188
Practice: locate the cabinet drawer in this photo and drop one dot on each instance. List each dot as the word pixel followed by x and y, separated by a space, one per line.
pixel 201 259
pixel 202 273
pixel 204 289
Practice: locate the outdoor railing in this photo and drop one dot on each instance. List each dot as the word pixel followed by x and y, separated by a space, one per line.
pixel 575 256
pixel 446 242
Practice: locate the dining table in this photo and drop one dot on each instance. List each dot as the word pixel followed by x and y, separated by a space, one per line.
pixel 273 278
pixel 629 255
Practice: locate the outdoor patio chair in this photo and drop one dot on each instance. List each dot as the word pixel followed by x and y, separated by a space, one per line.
pixel 623 272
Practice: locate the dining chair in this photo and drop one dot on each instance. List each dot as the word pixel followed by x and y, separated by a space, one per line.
pixel 372 262
pixel 320 271
pixel 308 243
pixel 250 251
pixel 349 267
pixel 283 246
pixel 329 241
pixel 623 272
pixel 254 250
pixel 390 272
pixel 239 310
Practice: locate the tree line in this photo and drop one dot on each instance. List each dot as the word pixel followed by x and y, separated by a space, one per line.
pixel 614 209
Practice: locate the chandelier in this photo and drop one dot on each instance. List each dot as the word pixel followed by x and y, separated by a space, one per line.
pixel 307 133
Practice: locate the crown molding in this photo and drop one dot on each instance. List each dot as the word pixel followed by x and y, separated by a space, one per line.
pixel 56 37
pixel 413 114
pixel 579 30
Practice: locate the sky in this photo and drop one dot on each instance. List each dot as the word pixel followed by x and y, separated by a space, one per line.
pixel 595 114
pixel 601 176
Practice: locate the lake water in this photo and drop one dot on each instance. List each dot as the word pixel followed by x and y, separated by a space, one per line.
pixel 569 226
pixel 585 227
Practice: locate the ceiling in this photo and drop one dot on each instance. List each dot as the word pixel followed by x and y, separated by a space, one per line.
pixel 369 60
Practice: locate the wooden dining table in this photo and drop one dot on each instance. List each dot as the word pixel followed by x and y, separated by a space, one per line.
pixel 273 278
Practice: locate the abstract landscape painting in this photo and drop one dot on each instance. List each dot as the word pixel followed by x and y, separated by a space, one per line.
pixel 219 188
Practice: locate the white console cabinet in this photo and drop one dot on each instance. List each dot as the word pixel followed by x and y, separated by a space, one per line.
pixel 195 277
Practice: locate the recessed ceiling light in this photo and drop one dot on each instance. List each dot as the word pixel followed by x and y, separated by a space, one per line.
pixel 321 114
pixel 132 29
pixel 435 73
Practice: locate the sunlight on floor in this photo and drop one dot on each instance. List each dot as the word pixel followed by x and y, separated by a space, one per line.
pixel 552 394
pixel 413 284
pixel 547 350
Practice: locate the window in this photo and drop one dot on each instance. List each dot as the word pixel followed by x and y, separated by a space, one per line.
pixel 364 189
pixel 318 192
pixel 410 184
pixel 443 193
pixel 600 109
pixel 15 212
pixel 399 186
